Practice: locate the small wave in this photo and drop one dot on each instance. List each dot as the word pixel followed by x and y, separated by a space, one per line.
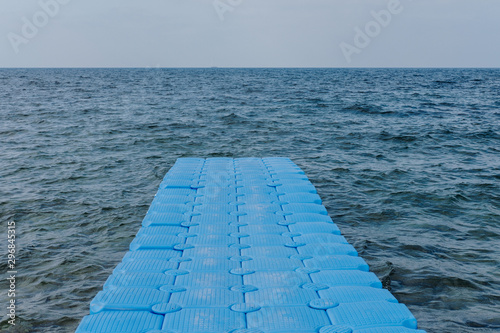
pixel 444 82
pixel 233 119
pixel 367 109
pixel 340 170
pixel 315 100
pixel 489 134
pixel 385 136
pixel 252 90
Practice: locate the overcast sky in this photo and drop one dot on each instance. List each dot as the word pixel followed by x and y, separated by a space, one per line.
pixel 250 33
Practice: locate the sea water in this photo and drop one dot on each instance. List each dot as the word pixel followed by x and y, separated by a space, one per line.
pixel 407 162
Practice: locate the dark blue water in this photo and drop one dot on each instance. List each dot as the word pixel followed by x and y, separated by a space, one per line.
pixel 406 161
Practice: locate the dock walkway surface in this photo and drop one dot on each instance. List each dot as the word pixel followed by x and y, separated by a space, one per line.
pixel 244 246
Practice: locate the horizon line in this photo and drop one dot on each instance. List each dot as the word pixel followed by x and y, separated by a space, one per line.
pixel 223 67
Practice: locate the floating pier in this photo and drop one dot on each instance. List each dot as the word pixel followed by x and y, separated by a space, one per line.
pixel 242 246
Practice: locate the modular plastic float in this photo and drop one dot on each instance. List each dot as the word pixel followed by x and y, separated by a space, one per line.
pixel 244 246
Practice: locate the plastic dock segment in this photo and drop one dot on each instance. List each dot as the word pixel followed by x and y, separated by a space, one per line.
pixel 242 246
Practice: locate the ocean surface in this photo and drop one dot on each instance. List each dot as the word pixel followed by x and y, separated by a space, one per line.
pixel 407 162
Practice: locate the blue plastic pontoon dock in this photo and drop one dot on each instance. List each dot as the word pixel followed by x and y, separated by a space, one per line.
pixel 244 246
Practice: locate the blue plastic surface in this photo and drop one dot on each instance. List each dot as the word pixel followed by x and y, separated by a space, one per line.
pixel 120 322
pixel 242 246
pixel 128 299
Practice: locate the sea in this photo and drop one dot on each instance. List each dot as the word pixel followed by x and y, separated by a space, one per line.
pixel 407 162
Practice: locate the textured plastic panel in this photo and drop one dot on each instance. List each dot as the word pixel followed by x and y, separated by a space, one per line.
pixel 320 238
pixel 214 219
pixel 140 280
pixel 394 329
pixel 269 251
pixel 211 251
pixel 155 242
pixel 120 322
pixel 152 254
pixel 327 249
pixel 242 246
pixel 281 296
pixel 128 299
pixel 264 229
pixel 261 263
pixel 366 314
pixel 210 264
pixel 307 208
pixel 172 199
pixel 211 240
pixel 161 208
pixel 356 294
pixel 286 189
pixel 337 263
pixel 204 320
pixel 314 227
pixel 255 189
pixel 265 218
pixel 176 191
pixel 252 199
pixel 176 183
pixel 222 279
pixel 161 230
pixel 263 279
pixel 215 208
pixel 308 217
pixel 259 208
pixel 346 278
pixel 213 229
pixel 207 297
pixel 293 319
pixel 154 218
pixel 265 240
pixel 145 265
pixel 300 198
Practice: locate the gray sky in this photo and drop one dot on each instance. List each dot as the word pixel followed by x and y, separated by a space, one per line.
pixel 250 33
